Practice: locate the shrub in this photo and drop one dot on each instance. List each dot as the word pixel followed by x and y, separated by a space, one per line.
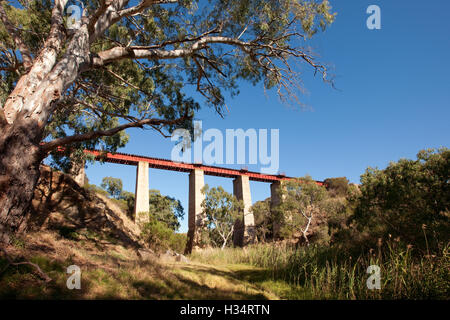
pixel 96 189
pixel 337 186
pixel 160 237
pixel 405 200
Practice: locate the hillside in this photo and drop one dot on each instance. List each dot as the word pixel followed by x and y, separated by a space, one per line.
pixel 60 204
pixel 70 225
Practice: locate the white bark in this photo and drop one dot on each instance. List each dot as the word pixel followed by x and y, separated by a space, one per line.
pixel 42 65
pixel 305 230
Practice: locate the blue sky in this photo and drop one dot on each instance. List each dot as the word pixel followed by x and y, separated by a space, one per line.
pixel 392 99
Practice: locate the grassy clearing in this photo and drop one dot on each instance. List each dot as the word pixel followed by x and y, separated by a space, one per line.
pixel 114 271
pixel 326 273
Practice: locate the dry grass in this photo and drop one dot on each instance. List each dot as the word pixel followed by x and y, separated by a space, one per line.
pixel 113 271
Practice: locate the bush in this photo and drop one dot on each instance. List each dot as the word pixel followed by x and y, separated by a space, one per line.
pixel 96 189
pixel 410 200
pixel 337 186
pixel 160 237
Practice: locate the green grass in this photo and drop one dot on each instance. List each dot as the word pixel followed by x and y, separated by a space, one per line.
pixel 327 273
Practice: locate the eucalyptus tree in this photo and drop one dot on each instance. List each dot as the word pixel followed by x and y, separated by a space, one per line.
pixel 114 186
pixel 166 209
pixel 129 63
pixel 221 210
pixel 302 206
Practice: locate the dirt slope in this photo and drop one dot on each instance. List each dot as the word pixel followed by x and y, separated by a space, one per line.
pixel 61 204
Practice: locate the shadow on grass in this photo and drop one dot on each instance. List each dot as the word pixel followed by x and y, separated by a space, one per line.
pixel 21 282
pixel 258 278
pixel 179 287
pixel 250 275
pixel 247 277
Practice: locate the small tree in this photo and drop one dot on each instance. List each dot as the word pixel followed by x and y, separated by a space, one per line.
pixel 302 205
pixel 337 186
pixel 221 210
pixel 166 209
pixel 114 186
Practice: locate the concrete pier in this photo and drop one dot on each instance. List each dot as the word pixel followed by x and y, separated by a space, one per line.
pixel 196 217
pixel 244 228
pixel 276 198
pixel 141 203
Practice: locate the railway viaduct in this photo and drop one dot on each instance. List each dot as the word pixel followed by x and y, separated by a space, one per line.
pixel 244 228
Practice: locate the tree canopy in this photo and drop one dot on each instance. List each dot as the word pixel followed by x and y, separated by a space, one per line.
pixel 263 219
pixel 142 56
pixel 302 206
pixel 166 209
pixel 337 186
pixel 113 186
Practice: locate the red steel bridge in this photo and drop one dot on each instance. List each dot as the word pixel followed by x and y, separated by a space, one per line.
pixel 241 189
pixel 164 164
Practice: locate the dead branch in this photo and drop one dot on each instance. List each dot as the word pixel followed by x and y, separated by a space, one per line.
pixel 39 271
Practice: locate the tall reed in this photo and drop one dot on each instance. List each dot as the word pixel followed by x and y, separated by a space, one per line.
pixel 328 273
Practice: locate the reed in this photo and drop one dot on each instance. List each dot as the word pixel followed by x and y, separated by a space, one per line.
pixel 330 273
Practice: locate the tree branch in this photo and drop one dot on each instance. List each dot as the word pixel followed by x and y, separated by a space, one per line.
pixel 119 53
pixel 53 43
pixel 252 48
pixel 11 262
pixel 113 11
pixel 105 16
pixel 47 147
pixel 104 4
pixel 27 84
pixel 141 7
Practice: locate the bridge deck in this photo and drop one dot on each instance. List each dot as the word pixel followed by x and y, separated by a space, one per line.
pixel 165 164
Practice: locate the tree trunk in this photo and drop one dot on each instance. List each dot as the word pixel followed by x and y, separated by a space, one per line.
pixel 224 244
pixel 26 113
pixel 306 238
pixel 20 157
